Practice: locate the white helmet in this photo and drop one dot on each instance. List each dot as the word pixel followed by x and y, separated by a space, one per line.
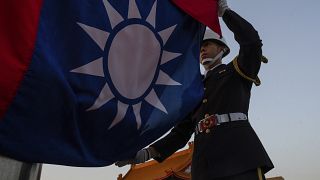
pixel 210 35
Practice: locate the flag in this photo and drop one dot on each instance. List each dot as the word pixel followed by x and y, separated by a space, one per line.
pixel 17 35
pixel 90 82
pixel 205 11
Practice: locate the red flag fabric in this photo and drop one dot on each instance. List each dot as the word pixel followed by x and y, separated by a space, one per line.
pixel 204 11
pixel 19 24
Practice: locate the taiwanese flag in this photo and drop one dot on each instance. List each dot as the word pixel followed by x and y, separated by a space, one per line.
pixel 90 82
pixel 205 11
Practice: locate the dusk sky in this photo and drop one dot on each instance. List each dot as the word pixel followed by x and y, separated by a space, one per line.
pixel 284 110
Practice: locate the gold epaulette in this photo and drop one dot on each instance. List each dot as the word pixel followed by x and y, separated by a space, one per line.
pixel 256 80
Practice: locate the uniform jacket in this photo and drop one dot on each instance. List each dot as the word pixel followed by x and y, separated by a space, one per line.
pixel 229 148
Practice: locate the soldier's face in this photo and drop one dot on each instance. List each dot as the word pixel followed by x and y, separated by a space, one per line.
pixel 209 49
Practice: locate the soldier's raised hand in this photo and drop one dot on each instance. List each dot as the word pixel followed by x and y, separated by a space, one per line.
pixel 223 6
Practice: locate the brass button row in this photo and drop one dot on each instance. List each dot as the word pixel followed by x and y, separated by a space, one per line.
pixel 205 116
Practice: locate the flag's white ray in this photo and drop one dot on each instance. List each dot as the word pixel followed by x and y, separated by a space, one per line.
pixel 104 96
pixel 94 68
pixel 153 99
pixel 165 34
pixel 164 79
pixel 152 15
pixel 114 17
pixel 122 110
pixel 168 56
pixel 99 36
pixel 133 10
pixel 136 110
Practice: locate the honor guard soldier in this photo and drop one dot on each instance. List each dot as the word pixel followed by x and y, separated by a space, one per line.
pixel 225 145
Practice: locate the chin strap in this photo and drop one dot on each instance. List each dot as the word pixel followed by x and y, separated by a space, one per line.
pixel 207 62
pixel 256 80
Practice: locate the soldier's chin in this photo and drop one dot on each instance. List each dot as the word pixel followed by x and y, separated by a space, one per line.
pixel 206 61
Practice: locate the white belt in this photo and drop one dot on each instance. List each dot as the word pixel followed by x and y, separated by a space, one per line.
pixel 213 120
pixel 223 118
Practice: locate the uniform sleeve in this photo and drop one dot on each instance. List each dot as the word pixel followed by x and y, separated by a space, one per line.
pixel 175 140
pixel 249 58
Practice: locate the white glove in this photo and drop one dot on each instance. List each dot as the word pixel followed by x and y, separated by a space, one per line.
pixel 223 6
pixel 142 156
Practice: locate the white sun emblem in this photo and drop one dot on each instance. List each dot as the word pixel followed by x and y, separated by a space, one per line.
pixel 134 58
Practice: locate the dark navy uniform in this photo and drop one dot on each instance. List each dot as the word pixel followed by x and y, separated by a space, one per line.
pixel 230 148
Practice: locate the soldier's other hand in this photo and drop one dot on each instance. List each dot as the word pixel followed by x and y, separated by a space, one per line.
pixel 124 162
pixel 142 156
pixel 223 6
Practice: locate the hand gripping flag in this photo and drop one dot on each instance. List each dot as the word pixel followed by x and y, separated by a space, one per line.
pixel 90 82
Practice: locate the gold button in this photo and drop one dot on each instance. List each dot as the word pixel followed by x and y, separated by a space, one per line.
pixel 204 100
pixel 206 115
pixel 207 131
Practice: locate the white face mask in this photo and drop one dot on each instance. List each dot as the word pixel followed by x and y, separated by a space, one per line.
pixel 207 62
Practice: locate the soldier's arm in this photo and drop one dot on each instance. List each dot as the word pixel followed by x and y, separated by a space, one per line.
pixel 250 54
pixel 175 140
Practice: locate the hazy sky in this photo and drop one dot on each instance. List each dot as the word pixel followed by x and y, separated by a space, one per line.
pixel 284 110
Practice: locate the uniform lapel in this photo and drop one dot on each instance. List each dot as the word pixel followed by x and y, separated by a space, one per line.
pixel 214 71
